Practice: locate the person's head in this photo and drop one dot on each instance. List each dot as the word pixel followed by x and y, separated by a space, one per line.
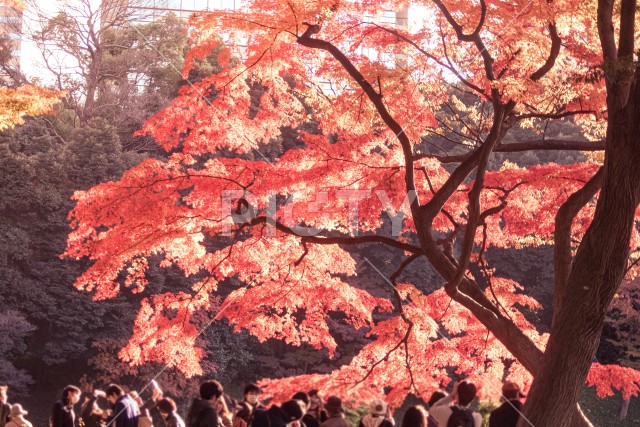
pixel 511 391
pixel 466 393
pixel 416 416
pixel 303 397
pixel 71 395
pixel 378 407
pixel 17 411
pixel 3 393
pixel 294 409
pixel 211 390
pixel 114 392
pixel 333 405
pixel 251 393
pixel 437 395
pixel 166 406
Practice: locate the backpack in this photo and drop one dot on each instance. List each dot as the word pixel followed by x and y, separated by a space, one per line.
pixel 461 418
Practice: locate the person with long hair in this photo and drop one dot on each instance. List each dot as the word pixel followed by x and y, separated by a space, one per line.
pixel 437 395
pixel 225 416
pixel 416 416
pixel 167 408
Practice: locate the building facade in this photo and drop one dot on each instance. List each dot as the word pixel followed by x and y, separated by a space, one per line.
pixel 11 41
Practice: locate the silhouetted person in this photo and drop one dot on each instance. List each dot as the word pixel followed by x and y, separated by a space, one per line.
pixel 5 408
pixel 335 413
pixel 202 412
pixel 416 416
pixel 437 395
pixel 316 406
pixel 377 416
pixel 125 410
pixel 90 413
pixel 17 417
pixel 167 408
pixel 307 419
pixel 459 414
pixel 62 414
pixel 507 414
pixel 278 416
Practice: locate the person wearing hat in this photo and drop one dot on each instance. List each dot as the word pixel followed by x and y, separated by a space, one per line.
pixel 507 414
pixel 5 408
pixel 335 412
pixel 17 417
pixel 377 416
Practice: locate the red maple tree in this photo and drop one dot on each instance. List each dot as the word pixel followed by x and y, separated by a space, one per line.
pixel 374 94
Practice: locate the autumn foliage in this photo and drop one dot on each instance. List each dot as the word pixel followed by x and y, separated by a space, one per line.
pixel 23 101
pixel 373 94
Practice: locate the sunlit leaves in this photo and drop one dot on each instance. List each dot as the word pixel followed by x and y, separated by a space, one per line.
pixel 26 100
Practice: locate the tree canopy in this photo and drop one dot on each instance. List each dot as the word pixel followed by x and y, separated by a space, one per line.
pixel 376 164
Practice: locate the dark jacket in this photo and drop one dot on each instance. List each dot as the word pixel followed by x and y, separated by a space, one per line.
pixel 173 420
pixel 506 415
pixel 125 412
pixel 62 415
pixel 272 417
pixel 5 408
pixel 310 421
pixel 202 414
pixel 431 422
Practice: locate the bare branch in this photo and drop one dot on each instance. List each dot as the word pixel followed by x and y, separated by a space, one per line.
pixel 335 240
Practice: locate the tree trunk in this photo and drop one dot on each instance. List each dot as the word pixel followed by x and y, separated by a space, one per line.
pixel 596 273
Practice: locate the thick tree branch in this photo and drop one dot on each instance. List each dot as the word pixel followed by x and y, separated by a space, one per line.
pixel 553 115
pixel 540 144
pixel 562 234
pixel 606 31
pixel 627 29
pixel 474 201
pixel 553 54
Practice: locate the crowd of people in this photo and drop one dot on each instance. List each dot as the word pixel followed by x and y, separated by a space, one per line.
pixel 214 408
